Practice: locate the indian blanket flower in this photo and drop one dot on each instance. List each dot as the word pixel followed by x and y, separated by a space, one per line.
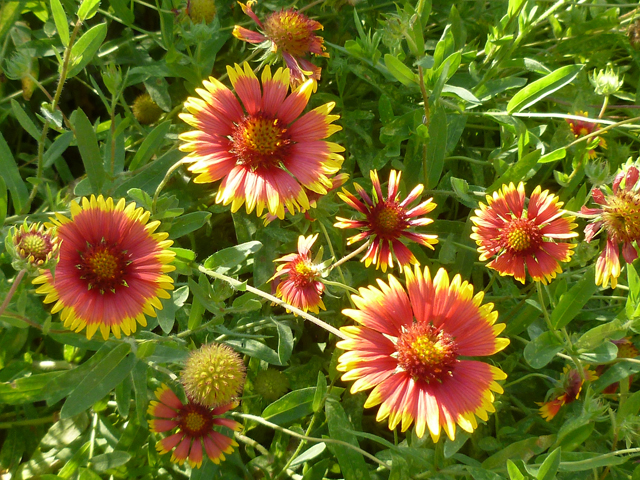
pixel 33 247
pixel 194 427
pixel 265 153
pixel 410 347
pixel 289 34
pixel 618 215
pixel 520 236
pixel 581 128
pixel 112 269
pixel 301 285
pixel 569 392
pixel 387 221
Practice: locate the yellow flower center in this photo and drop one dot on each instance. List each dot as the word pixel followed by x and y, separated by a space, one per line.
pixel 289 31
pixel 621 216
pixel 521 235
pixel 259 141
pixel 387 220
pixel 303 272
pixel 195 420
pixel 103 267
pixel 33 244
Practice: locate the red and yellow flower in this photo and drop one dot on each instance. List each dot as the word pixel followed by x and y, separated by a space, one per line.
pixel 287 34
pixel 265 153
pixel 619 216
pixel 112 269
pixel 519 236
pixel 194 426
pixel 568 393
pixel 408 348
pixel 301 286
pixel 582 128
pixel 387 221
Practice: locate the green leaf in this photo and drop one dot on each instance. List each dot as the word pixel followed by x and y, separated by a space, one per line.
pixel 102 378
pixel 167 316
pixel 521 450
pixel 583 461
pixel 400 71
pixel 310 454
pixel 436 148
pixel 85 49
pixel 571 303
pixel 106 461
pixel 539 89
pixel 628 408
pixel 594 337
pixel 293 406
pixel 188 223
pixel 514 471
pixel 60 19
pixel 4 201
pixel 89 150
pixel 149 177
pixel 604 353
pixel 24 120
pixel 253 348
pixel 150 145
pixel 542 350
pixel 88 8
pixel 285 342
pixel 12 178
pixel 557 154
pixel 27 389
pixel 549 467
pixel 65 431
pixel 57 148
pixel 229 258
pixel 321 391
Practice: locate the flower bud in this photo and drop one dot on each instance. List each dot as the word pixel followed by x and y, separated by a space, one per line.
pixel 606 82
pixel 201 10
pixel 33 247
pixel 146 110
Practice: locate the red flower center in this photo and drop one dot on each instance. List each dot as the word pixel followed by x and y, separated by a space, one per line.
pixel 303 273
pixel 387 220
pixel 34 244
pixel 103 267
pixel 195 420
pixel 621 216
pixel 289 31
pixel 427 353
pixel 259 141
pixel 521 235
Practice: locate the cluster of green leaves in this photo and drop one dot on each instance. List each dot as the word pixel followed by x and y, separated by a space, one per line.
pixel 460 96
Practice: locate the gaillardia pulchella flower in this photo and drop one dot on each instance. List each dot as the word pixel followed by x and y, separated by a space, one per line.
pixel 387 221
pixel 619 216
pixel 289 34
pixel 112 268
pixel 568 393
pixel 33 247
pixel 582 128
pixel 194 426
pixel 520 236
pixel 265 153
pixel 410 349
pixel 301 285
pixel 213 375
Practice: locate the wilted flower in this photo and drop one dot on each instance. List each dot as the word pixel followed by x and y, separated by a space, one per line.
pixel 606 82
pixel 520 237
pixel 581 128
pixel 408 348
pixel 33 247
pixel 289 34
pixel 568 393
pixel 387 220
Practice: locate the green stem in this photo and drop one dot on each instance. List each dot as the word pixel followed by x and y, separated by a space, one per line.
pixel 348 257
pixel 546 377
pixel 299 448
pixel 340 285
pixel 164 181
pixel 33 421
pixel 333 252
pixel 605 104
pixel 426 122
pixel 12 290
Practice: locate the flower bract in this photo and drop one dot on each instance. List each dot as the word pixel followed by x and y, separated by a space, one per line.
pixel 33 247
pixel 387 221
pixel 522 236
pixel 112 269
pixel 408 348
pixel 264 151
pixel 194 428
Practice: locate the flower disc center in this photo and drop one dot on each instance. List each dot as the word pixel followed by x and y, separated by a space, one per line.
pixel 621 216
pixel 103 267
pixel 521 234
pixel 259 141
pixel 303 273
pixel 426 353
pixel 289 31
pixel 196 420
pixel 388 220
pixel 34 245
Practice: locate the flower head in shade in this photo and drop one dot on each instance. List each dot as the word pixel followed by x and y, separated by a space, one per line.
pixel 581 128
pixel 618 215
pixel 112 269
pixel 301 285
pixel 33 247
pixel 265 153
pixel 213 375
pixel 287 34
pixel 520 236
pixel 626 349
pixel 194 428
pixel 387 221
pixel 568 393
pixel 408 348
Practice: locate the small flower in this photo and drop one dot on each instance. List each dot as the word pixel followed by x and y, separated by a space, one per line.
pixel 201 10
pixel 568 393
pixel 112 267
pixel 146 110
pixel 619 216
pixel 408 349
pixel 606 82
pixel 271 384
pixel 626 349
pixel 194 428
pixel 213 375
pixel 266 154
pixel 33 247
pixel 519 236
pixel 287 34
pixel 581 128
pixel 387 221
pixel 301 286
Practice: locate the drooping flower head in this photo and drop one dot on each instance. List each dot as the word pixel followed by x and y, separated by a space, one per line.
pixel 33 247
pixel 112 268
pixel 194 427
pixel 619 216
pixel 387 221
pixel 301 285
pixel 568 393
pixel 213 375
pixel 581 128
pixel 287 34
pixel 409 348
pixel 522 236
pixel 265 153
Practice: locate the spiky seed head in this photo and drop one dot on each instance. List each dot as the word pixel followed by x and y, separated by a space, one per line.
pixel 146 110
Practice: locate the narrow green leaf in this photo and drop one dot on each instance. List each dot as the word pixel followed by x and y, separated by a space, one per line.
pixel 594 337
pixel 84 50
pixel 400 71
pixel 4 201
pixel 139 376
pixel 12 178
pixel 257 349
pixel 549 467
pixel 629 407
pixel 228 259
pixel 587 461
pixel 8 15
pixel 26 390
pixel 514 471
pixel 436 148
pixel 88 8
pixel 24 120
pixel 571 303
pixel 188 223
pixel 556 155
pixel 539 89
pixel 89 150
pixel 285 342
pixel 321 391
pixel 57 148
pixel 293 406
pixel 102 463
pixel 517 171
pixel 150 146
pixel 149 177
pixel 60 19
pixel 542 350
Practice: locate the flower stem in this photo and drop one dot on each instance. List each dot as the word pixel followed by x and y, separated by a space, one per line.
pixel 340 285
pixel 164 181
pixel 348 257
pixel 333 254
pixel 32 421
pixel 605 104
pixel 12 290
